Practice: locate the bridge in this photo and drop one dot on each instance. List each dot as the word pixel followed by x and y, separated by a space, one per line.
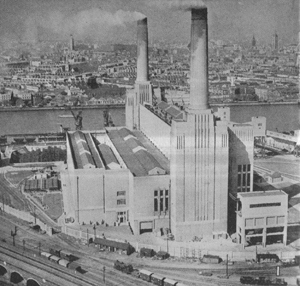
pixel 14 275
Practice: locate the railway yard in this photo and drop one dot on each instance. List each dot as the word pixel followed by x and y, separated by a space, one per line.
pixel 94 267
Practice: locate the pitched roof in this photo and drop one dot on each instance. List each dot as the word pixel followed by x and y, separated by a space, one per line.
pixel 107 155
pixel 136 157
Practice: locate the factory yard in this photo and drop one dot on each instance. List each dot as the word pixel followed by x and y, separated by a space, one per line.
pixel 287 165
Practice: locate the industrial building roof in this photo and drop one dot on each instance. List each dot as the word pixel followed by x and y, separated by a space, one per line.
pixel 107 155
pixel 174 112
pixel 85 154
pixel 126 153
pixel 262 194
pixel 94 151
pixel 135 155
pixel 163 105
pixel 124 132
pixel 134 144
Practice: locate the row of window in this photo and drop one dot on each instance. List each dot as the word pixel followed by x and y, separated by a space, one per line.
pixel 265 205
pixel 244 178
pixel 244 168
pixel 121 193
pixel 121 202
pixel 161 200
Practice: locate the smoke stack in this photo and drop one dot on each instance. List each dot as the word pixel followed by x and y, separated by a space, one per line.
pixel 199 60
pixel 142 50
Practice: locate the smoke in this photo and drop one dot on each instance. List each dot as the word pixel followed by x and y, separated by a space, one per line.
pixel 80 24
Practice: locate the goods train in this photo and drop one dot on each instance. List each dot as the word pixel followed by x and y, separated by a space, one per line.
pixel 63 258
pixel 146 275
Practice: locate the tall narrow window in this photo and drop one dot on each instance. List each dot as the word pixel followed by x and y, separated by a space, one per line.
pixel 161 205
pixel 239 180
pixel 155 201
pixel 166 200
pixel 155 205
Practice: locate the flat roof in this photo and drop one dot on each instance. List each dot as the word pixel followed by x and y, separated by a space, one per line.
pixel 263 194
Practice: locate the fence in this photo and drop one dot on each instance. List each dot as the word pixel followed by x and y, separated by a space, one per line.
pixel 184 249
pixel 26 216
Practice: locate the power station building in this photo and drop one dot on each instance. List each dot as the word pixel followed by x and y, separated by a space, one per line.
pixel 116 177
pixel 170 167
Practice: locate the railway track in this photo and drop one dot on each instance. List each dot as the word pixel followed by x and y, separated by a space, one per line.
pixel 95 262
pixel 92 277
pixel 58 272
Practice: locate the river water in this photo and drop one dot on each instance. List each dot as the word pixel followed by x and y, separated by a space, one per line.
pixel 283 117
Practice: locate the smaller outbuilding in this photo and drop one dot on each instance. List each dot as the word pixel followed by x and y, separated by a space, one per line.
pixel 114 245
pixel 213 259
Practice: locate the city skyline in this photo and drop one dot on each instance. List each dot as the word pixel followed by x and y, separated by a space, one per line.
pixel 115 21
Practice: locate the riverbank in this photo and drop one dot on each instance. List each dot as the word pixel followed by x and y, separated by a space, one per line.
pixel 120 106
pixel 246 103
pixel 280 116
pixel 104 106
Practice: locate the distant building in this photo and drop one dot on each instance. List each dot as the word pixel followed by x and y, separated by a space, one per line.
pixel 253 42
pixel 275 42
pixel 71 47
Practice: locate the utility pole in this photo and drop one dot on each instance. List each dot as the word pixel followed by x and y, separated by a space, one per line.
pixel 94 228
pixel 39 248
pixel 23 244
pixel 104 274
pixel 87 237
pixel 34 214
pixel 13 234
pixel 227 266
pixel 167 244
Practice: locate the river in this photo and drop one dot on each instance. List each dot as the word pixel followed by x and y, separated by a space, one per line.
pixel 283 117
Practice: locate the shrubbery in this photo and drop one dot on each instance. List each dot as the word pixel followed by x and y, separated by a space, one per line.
pixel 46 155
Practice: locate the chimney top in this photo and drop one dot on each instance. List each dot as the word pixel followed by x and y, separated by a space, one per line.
pixel 199 13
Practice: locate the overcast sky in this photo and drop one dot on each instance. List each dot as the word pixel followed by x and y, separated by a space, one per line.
pixel 115 20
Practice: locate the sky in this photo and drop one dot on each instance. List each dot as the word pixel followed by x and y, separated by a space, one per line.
pixel 114 21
